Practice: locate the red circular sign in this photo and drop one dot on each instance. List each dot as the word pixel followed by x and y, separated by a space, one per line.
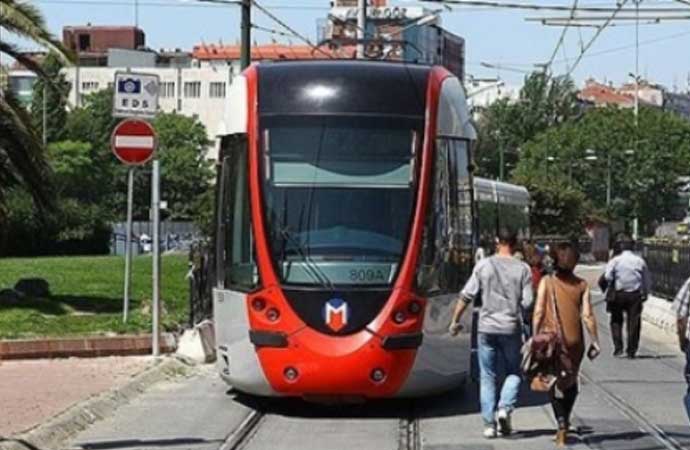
pixel 134 141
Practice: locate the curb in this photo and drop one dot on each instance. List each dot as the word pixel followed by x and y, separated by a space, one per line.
pixel 86 347
pixel 55 431
pixel 659 312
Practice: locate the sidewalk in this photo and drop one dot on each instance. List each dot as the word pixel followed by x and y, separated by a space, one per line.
pixel 32 391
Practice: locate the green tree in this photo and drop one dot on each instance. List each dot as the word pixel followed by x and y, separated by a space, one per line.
pixel 56 91
pixel 182 146
pixel 644 167
pixel 557 208
pixel 22 158
pixel 543 102
pixel 185 171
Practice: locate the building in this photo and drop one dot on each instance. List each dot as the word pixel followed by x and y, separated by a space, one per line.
pixel 678 103
pixel 600 95
pixel 400 33
pixel 212 55
pixel 192 91
pixel 92 43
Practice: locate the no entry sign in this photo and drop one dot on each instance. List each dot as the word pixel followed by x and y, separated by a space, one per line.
pixel 133 141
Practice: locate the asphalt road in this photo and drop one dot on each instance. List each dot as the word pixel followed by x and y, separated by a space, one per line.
pixel 624 404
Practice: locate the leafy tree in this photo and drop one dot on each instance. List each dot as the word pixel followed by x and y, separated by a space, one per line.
pixel 557 208
pixel 644 170
pixel 22 159
pixel 56 91
pixel 544 102
pixel 185 171
pixel 182 148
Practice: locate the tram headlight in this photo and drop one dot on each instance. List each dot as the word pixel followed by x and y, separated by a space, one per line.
pixel 259 304
pixel 399 317
pixel 414 307
pixel 377 375
pixel 272 314
pixel 290 373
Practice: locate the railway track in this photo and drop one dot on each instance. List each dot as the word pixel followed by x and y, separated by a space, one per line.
pixel 631 413
pixel 243 434
pixel 258 422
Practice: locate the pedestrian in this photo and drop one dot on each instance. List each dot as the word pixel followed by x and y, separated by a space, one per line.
pixel 681 305
pixel 627 274
pixel 505 286
pixel 563 304
pixel 535 259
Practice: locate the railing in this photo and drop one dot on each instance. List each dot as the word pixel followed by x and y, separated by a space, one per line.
pixel 200 283
pixel 669 267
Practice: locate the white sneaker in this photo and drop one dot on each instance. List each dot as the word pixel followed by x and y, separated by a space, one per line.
pixel 489 432
pixel 504 423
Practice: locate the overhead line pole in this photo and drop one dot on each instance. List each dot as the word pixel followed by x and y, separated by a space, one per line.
pixel 245 37
pixel 361 27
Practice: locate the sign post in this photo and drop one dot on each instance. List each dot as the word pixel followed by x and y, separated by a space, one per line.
pixel 155 301
pixel 134 143
pixel 128 244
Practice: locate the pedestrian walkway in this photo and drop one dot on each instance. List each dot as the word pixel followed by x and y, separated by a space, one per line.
pixel 34 390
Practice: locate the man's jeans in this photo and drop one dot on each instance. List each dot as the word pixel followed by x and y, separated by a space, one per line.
pixel 498 350
pixel 687 379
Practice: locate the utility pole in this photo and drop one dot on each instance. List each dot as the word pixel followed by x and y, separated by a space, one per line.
pixel 608 181
pixel 361 27
pixel 637 67
pixel 246 25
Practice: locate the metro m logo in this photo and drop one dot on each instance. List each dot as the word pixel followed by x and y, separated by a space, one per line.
pixel 335 314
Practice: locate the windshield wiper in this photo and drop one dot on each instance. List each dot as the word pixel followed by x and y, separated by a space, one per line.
pixel 312 268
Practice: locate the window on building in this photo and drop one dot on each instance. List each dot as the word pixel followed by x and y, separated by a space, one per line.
pixel 89 85
pixel 84 42
pixel 167 89
pixel 192 89
pixel 216 89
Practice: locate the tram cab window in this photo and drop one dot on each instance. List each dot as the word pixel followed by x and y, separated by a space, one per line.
pixel 447 241
pixel 236 265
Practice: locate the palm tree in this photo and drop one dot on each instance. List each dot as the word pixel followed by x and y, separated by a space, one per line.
pixel 22 156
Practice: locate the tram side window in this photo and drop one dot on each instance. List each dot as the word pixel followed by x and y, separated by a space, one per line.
pixel 239 267
pixel 447 242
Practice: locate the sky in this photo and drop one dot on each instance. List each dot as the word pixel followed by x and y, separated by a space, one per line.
pixel 496 36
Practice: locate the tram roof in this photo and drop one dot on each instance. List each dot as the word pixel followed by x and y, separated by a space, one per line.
pixel 506 192
pixel 342 86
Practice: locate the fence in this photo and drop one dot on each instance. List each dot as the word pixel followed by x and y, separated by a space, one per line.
pixel 669 266
pixel 200 283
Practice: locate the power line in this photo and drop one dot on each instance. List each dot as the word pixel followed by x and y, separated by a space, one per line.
pixel 169 4
pixel 271 16
pixel 538 7
pixel 561 39
pixel 594 38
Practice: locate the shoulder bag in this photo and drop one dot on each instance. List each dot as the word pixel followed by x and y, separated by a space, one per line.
pixel 544 354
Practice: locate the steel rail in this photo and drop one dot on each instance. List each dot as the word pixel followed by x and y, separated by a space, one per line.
pixel 244 432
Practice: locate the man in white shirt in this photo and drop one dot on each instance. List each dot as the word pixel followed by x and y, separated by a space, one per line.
pixel 628 274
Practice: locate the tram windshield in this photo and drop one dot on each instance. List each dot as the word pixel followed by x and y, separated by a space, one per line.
pixel 339 195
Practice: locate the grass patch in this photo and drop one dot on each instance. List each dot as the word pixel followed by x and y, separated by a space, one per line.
pixel 86 295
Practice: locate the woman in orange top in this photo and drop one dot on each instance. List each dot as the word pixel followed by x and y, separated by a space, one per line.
pixel 574 307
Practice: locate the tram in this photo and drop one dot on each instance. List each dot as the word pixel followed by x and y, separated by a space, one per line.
pixel 346 228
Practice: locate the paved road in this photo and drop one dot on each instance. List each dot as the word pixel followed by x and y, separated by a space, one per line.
pixel 624 404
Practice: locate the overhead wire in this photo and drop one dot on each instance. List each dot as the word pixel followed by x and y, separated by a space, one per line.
pixel 561 38
pixel 542 7
pixel 277 20
pixel 594 38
